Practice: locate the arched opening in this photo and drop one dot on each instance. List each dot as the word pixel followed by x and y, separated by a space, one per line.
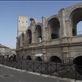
pixel 55 59
pixel 79 28
pixel 29 34
pixel 39 33
pixel 78 64
pixel 54 28
pixel 13 58
pixel 28 58
pixel 38 59
pixel 76 17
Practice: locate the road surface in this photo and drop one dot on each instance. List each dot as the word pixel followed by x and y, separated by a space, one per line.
pixel 10 75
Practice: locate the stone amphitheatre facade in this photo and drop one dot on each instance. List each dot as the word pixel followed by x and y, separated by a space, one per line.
pixel 55 38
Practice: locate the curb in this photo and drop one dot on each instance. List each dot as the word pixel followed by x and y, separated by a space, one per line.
pixel 39 74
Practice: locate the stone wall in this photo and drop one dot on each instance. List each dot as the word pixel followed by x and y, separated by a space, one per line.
pixel 62 43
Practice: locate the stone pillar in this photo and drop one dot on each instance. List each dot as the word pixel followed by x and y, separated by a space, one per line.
pixel 69 27
pixel 65 54
pixel 45 57
pixel 45 37
pixel 33 26
pixel 45 30
pixel 63 27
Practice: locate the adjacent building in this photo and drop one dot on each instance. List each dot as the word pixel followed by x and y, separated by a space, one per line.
pixel 6 51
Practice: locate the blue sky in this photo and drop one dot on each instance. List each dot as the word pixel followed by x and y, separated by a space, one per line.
pixel 10 10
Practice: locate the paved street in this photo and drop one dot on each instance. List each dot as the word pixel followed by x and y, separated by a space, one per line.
pixel 10 75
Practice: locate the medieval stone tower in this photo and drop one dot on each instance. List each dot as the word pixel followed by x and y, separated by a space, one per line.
pixel 21 28
pixel 22 25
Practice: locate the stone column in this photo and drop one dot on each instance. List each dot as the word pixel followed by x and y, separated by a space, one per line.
pixel 45 38
pixel 63 27
pixel 66 55
pixel 45 30
pixel 33 26
pixel 69 27
pixel 45 56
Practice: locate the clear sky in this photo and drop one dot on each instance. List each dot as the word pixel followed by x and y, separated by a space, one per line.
pixel 10 10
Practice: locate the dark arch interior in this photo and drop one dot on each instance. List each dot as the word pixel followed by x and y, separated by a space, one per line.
pixel 22 36
pixel 12 58
pixel 78 64
pixel 18 41
pixel 78 60
pixel 28 58
pixel 76 17
pixel 54 26
pixel 39 32
pixel 79 30
pixel 38 59
pixel 29 35
pixel 55 59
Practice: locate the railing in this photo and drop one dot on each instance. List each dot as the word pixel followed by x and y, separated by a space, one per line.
pixel 65 70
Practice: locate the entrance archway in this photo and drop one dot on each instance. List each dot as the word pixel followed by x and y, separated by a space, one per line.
pixel 76 17
pixel 79 28
pixel 39 33
pixel 78 64
pixel 55 59
pixel 54 26
pixel 28 58
pixel 38 59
